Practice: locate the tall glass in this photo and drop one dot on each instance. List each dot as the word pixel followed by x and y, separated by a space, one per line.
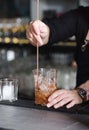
pixel 45 84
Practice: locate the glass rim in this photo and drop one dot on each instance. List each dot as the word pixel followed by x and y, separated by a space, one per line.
pixel 8 79
pixel 42 68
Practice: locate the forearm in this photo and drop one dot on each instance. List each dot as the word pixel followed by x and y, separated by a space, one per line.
pixel 60 28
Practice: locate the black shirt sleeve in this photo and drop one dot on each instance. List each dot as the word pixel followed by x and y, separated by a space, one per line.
pixel 63 27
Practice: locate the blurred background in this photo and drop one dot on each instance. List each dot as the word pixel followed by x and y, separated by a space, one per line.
pixel 18 57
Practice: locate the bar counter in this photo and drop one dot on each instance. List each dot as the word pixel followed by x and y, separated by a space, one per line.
pixel 25 115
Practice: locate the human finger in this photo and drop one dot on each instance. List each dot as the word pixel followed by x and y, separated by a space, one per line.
pixel 62 102
pixel 56 97
pixel 34 38
pixel 56 93
pixel 71 104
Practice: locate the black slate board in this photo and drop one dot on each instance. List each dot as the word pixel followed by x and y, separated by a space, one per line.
pixel 77 109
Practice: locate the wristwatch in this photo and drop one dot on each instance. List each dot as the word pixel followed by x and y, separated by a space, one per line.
pixel 82 93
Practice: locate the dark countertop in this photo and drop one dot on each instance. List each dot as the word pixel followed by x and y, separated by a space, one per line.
pixel 25 115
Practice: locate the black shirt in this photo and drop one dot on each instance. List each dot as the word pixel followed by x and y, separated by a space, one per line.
pixel 74 22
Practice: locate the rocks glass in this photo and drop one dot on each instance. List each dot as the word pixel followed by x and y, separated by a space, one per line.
pixel 9 89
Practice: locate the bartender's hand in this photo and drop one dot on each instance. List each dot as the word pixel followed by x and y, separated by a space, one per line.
pixel 64 97
pixel 38 33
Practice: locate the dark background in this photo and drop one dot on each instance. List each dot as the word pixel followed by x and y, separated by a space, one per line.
pixel 14 8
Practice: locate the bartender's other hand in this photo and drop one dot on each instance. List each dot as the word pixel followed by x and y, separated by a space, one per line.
pixel 38 33
pixel 64 97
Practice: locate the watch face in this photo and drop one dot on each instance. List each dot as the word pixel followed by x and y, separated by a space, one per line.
pixel 82 92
